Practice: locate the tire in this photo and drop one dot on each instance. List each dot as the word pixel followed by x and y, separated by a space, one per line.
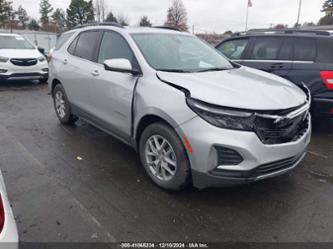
pixel 172 156
pixel 63 112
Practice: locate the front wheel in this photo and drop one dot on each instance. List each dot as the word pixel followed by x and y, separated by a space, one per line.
pixel 164 157
pixel 62 106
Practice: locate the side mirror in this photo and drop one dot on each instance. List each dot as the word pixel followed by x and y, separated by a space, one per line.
pixel 41 50
pixel 120 65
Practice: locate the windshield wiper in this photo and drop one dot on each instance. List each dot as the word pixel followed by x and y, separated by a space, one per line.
pixel 212 69
pixel 174 70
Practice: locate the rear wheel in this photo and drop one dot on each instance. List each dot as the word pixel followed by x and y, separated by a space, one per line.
pixel 164 158
pixel 62 106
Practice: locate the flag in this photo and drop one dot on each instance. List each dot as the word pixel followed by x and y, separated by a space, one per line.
pixel 249 3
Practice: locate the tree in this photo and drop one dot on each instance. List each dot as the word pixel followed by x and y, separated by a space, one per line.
pixel 111 18
pixel 22 16
pixel 328 10
pixel 280 26
pixel 5 12
pixel 33 25
pixel 79 12
pixel 227 33
pixel 308 24
pixel 326 20
pixel 122 20
pixel 59 17
pixel 45 9
pixel 144 22
pixel 100 10
pixel 328 7
pixel 177 16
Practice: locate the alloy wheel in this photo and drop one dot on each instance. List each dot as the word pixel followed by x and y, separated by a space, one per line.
pixel 60 104
pixel 161 158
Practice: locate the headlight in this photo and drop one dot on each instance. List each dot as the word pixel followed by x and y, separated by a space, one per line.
pixel 223 117
pixel 3 59
pixel 42 58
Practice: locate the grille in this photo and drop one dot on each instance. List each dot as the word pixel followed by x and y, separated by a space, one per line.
pixel 261 170
pixel 227 156
pixel 24 62
pixel 284 131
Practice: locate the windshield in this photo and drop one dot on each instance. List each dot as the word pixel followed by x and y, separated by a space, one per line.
pixel 14 42
pixel 179 53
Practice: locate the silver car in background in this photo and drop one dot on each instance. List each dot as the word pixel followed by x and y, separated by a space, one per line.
pixel 192 115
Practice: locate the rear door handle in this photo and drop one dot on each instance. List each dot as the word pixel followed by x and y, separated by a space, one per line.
pixel 95 73
pixel 65 61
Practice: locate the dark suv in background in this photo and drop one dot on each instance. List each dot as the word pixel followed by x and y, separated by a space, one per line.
pixel 297 55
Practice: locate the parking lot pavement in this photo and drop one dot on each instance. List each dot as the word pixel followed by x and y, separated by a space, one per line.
pixel 106 195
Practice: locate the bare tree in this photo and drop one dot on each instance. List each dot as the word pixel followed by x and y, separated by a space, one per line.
pixel 177 16
pixel 100 10
pixel 97 8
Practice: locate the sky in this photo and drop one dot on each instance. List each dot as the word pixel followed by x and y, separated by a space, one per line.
pixel 206 15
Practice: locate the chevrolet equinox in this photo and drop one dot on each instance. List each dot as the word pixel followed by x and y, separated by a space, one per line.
pixel 192 115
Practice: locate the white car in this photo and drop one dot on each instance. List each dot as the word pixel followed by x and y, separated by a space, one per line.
pixel 8 229
pixel 20 60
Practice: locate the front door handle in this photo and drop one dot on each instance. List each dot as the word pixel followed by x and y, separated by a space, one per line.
pixel 95 73
pixel 277 66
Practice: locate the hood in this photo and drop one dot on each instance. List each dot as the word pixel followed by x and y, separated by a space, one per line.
pixel 243 88
pixel 20 53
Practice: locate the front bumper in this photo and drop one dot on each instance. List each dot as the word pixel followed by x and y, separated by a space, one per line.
pixel 10 72
pixel 24 76
pixel 206 172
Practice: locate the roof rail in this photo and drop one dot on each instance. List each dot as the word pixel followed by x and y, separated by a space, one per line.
pixel 91 24
pixel 166 27
pixel 284 31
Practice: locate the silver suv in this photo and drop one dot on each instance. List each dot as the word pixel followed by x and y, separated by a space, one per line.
pixel 192 115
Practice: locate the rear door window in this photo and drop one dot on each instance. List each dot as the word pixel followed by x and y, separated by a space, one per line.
pixel 305 49
pixel 86 45
pixel 233 49
pixel 266 48
pixel 286 50
pixel 325 50
pixel 71 48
